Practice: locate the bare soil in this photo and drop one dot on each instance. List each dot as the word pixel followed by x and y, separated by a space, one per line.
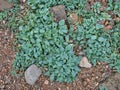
pixel 113 82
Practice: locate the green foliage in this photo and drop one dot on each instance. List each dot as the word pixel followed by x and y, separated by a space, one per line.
pixel 11 17
pixel 114 6
pixel 102 88
pixel 12 20
pixel 2 15
pixel 15 1
pixel 99 45
pixel 46 43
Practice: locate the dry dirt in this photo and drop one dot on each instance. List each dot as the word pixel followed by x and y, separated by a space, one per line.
pixel 113 82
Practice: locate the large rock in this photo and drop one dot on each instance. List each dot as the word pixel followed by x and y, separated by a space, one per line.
pixel 85 63
pixel 32 74
pixel 5 5
pixel 58 12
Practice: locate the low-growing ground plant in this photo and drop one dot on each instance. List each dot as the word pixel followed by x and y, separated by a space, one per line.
pixel 46 43
pixel 43 42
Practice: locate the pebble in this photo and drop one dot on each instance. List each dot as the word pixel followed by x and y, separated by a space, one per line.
pixel 85 63
pixel 46 82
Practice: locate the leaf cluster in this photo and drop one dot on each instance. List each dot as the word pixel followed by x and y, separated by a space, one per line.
pixel 46 43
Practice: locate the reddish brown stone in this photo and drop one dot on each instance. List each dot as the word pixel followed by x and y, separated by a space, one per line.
pixel 4 5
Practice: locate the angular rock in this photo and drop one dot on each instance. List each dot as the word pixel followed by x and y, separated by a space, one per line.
pixel 58 12
pixel 85 63
pixel 32 74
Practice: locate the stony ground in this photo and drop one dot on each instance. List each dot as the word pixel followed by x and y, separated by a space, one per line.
pixel 88 79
